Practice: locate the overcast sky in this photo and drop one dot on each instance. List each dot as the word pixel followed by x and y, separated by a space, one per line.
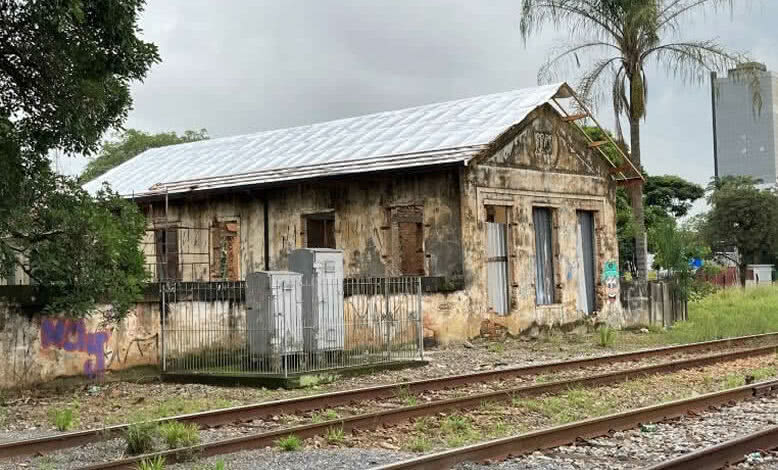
pixel 236 67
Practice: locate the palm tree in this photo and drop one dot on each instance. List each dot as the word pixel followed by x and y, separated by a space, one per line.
pixel 620 37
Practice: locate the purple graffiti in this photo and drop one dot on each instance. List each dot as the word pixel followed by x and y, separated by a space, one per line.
pixel 72 336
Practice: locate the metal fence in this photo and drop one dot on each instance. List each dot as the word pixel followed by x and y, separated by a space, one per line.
pixel 290 327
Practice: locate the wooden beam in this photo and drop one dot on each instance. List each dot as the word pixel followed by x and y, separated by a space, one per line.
pixel 619 169
pixel 575 117
pixel 630 182
pixel 597 143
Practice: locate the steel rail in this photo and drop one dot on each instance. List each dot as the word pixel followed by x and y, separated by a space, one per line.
pixel 327 400
pixel 403 414
pixel 726 453
pixel 566 434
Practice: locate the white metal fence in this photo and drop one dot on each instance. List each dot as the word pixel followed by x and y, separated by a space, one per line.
pixel 290 327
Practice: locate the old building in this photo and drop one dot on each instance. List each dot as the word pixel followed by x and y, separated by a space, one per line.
pixel 501 202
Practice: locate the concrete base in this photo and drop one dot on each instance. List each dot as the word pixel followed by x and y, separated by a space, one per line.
pixel 294 380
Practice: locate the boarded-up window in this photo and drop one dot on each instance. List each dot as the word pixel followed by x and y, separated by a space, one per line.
pixel 411 247
pixel 166 248
pixel 225 244
pixel 544 256
pixel 320 230
pixel 408 234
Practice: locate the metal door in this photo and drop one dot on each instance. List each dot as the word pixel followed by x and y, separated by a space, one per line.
pixel 497 266
pixel 585 245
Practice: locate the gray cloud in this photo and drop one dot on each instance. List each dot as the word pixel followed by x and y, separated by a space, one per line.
pixel 243 66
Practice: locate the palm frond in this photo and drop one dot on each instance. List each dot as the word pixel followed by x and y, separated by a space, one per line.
pixel 669 15
pixel 546 73
pixel 691 61
pixel 579 15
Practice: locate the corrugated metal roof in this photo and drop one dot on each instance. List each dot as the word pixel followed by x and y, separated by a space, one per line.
pixel 441 133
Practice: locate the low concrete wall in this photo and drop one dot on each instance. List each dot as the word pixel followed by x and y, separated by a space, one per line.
pixel 653 303
pixel 35 348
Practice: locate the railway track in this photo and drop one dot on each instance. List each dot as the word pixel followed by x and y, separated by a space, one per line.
pixel 521 444
pixel 326 400
pixel 403 414
pixel 724 454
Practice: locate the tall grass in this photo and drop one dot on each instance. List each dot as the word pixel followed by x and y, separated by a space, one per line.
pixel 727 313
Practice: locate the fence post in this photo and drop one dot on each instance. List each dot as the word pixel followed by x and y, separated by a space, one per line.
pixel 386 319
pixel 162 332
pixel 420 326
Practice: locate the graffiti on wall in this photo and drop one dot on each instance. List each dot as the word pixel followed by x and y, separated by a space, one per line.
pixel 71 335
pixel 610 277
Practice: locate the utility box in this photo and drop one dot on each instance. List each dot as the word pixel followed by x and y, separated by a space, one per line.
pixel 274 313
pixel 322 278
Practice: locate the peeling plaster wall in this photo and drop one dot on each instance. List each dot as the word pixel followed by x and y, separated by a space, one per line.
pixel 362 226
pixel 38 349
pixel 195 219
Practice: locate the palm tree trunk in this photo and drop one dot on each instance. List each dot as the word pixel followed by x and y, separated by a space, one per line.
pixel 636 199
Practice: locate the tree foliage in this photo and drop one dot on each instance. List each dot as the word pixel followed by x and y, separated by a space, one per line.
pixel 65 74
pixel 743 217
pixel 617 38
pixel 131 143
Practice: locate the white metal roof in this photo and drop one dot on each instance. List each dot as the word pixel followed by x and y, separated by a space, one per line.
pixel 441 133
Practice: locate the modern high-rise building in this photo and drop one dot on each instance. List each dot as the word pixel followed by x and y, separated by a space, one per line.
pixel 745 134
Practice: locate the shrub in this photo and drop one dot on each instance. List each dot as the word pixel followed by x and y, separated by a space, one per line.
pixel 152 464
pixel 335 435
pixel 290 443
pixel 64 419
pixel 140 438
pixel 177 434
pixel 606 336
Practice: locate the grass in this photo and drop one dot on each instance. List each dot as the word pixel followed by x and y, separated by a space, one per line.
pixel 152 464
pixel 218 465
pixel 140 438
pixel 290 443
pixel 322 416
pixel 172 407
pixel 727 313
pixel 64 419
pixel 178 435
pixel 404 394
pixel 46 463
pixel 335 435
pixel 573 405
pixel 498 348
pixel 457 430
pixel 419 444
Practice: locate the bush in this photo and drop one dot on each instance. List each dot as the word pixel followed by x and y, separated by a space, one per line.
pixel 140 438
pixel 700 289
pixel 290 443
pixel 606 336
pixel 177 434
pixel 64 419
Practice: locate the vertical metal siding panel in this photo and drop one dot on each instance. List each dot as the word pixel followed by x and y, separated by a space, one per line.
pixel 497 267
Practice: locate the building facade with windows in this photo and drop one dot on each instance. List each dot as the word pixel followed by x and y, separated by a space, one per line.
pixel 501 203
pixel 745 131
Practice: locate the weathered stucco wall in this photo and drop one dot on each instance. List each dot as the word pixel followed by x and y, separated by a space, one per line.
pixel 546 163
pixel 363 228
pixel 36 349
pixel 363 223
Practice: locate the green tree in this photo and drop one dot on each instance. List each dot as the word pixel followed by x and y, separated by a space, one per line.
pixel 130 143
pixel 743 218
pixel 665 199
pixel 674 247
pixel 65 74
pixel 621 36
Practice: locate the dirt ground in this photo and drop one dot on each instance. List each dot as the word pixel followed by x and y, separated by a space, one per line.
pixel 135 395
